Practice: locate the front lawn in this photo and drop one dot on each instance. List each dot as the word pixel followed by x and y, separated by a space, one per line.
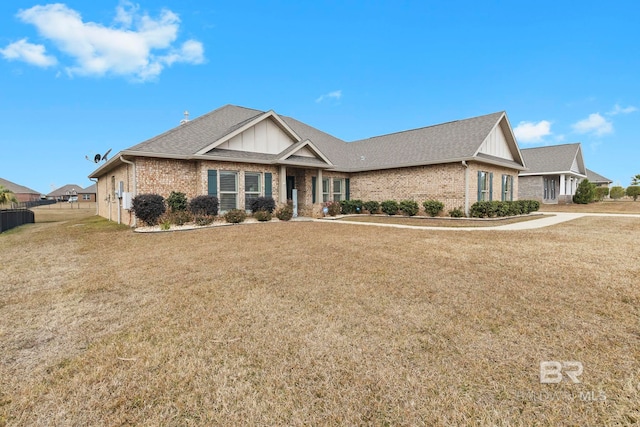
pixel 307 323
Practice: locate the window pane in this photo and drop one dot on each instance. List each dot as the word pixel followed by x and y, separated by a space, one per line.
pixel 248 198
pixel 325 186
pixel 227 202
pixel 337 186
pixel 252 182
pixel 228 181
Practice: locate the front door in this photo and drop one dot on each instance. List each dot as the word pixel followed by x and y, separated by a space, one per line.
pixel 291 184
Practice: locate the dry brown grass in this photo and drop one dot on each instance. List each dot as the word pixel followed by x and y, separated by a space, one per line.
pixel 607 206
pixel 440 222
pixel 318 324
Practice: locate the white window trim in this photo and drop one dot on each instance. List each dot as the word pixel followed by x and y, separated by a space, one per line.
pixel 334 192
pixel 326 196
pixel 221 192
pixel 258 193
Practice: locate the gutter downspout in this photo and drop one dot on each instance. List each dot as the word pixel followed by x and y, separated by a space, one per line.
pixel 466 188
pixel 135 219
pixel 97 207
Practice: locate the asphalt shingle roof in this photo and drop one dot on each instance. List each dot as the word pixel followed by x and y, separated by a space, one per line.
pixel 65 190
pixel 447 142
pixel 16 188
pixel 188 138
pixel 553 158
pixel 596 177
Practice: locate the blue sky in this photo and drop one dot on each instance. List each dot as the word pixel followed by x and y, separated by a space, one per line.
pixel 78 78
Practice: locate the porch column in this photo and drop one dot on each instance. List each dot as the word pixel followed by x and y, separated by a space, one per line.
pixel 282 182
pixel 562 186
pixel 319 187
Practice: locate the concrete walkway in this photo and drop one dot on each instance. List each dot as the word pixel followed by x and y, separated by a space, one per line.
pixel 546 220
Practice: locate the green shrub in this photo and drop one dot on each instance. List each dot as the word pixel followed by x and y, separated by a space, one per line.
pixel 204 205
pixel 148 207
pixel 633 191
pixel 390 207
pixel 351 206
pixel 333 208
pixel 409 207
pixel 616 192
pixel 235 216
pixel 372 206
pixel 165 225
pixel 601 193
pixel 285 213
pixel 456 213
pixel 262 215
pixel 585 192
pixel 502 209
pixel 263 204
pixel 433 207
pixel 177 202
pixel 203 220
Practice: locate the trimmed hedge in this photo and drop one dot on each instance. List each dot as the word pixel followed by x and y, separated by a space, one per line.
pixel 390 207
pixel 351 206
pixel 263 204
pixel 285 213
pixel 204 205
pixel 235 216
pixel 148 207
pixel 409 207
pixel 433 207
pixel 456 213
pixel 502 209
pixel 372 206
pixel 262 215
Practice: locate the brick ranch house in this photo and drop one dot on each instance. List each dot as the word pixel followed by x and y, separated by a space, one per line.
pixel 237 154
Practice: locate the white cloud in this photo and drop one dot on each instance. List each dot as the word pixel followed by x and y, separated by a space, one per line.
pixel 33 54
pixel 595 124
pixel 137 46
pixel 336 94
pixel 529 132
pixel 617 109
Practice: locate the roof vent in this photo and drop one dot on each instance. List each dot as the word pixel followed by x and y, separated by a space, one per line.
pixel 186 118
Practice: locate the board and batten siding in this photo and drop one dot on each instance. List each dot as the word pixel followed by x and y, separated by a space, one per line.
pixel 496 145
pixel 263 137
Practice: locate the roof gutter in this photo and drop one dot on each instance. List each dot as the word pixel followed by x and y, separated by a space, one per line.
pixel 97 206
pixel 135 186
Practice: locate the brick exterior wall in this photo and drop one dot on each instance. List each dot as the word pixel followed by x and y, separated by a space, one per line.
pixel 531 188
pixel 445 182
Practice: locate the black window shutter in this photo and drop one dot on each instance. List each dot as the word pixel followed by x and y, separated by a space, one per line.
pixel 313 188
pixel 347 192
pixel 267 184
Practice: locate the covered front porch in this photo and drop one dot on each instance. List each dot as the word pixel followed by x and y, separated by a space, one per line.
pixel 560 188
pixel 300 186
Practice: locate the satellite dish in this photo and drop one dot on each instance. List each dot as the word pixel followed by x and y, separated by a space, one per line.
pixel 97 158
pixel 104 156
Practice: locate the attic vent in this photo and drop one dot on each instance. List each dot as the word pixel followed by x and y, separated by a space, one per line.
pixel 186 118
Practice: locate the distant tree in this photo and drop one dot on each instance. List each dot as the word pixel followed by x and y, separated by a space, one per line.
pixel 633 191
pixel 601 193
pixel 635 180
pixel 585 193
pixel 7 196
pixel 616 193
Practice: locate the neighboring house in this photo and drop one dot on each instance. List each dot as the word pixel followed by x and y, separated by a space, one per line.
pixel 553 174
pixel 65 193
pixel 238 154
pixel 22 193
pixel 597 179
pixel 88 194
